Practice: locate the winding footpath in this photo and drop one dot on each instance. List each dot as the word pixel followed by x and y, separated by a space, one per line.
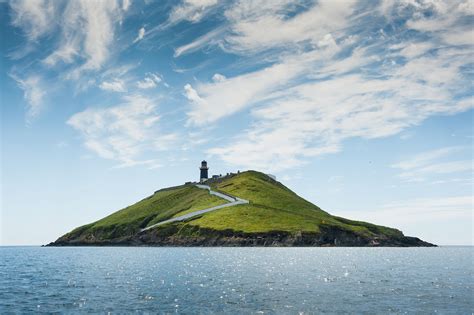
pixel 233 201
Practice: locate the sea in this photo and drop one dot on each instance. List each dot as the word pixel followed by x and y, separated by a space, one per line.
pixel 159 280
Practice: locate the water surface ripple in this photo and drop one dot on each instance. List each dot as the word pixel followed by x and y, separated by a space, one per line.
pixel 237 280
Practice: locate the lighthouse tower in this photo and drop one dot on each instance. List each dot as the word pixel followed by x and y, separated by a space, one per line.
pixel 203 169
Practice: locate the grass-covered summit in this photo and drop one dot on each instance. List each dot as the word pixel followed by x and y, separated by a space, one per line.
pixel 274 216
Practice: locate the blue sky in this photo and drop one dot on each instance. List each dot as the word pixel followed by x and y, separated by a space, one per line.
pixel 362 107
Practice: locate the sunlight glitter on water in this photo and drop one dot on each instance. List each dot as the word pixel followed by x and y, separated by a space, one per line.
pixel 236 280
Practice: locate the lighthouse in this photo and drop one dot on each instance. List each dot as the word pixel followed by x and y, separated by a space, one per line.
pixel 203 169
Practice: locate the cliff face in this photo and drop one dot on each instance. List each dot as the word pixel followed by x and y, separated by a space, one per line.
pixel 275 216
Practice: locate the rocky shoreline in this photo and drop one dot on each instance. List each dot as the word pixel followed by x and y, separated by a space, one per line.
pixel 328 237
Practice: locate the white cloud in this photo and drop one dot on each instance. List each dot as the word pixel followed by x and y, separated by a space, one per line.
pixel 121 71
pixel 321 89
pixel 66 53
pixel 87 34
pixel 193 96
pixel 141 34
pixel 86 29
pixel 448 167
pixel 260 25
pixel 125 132
pixel 213 101
pixel 34 17
pixel 431 164
pixel 441 18
pixel 218 77
pixel 114 86
pixel 314 118
pixel 165 142
pixel 207 39
pixel 34 93
pixel 151 80
pixel 191 10
pixel 126 4
pixel 253 26
pixel 437 169
pixel 422 159
pixel 411 50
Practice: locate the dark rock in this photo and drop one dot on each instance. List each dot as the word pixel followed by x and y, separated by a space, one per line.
pixel 172 235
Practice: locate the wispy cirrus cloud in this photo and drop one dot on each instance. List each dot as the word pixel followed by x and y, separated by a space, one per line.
pixel 190 10
pixel 315 73
pixel 250 24
pixel 126 132
pixel 115 85
pixel 140 35
pixel 88 32
pixel 150 81
pixel 315 117
pixel 33 93
pixel 81 36
pixel 331 81
pixel 207 39
pixel 433 164
pixel 215 100
pixel 34 17
pixel 84 36
pixel 220 98
pixel 445 24
pixel 422 159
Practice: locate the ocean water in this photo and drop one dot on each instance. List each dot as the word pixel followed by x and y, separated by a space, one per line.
pixel 237 280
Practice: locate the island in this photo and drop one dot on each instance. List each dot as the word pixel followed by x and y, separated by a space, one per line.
pixel 237 209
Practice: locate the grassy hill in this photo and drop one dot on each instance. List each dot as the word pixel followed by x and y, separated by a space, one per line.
pixel 273 207
pixel 274 216
pixel 162 205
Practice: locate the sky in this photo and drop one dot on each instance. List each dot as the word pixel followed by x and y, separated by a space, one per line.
pixel 364 108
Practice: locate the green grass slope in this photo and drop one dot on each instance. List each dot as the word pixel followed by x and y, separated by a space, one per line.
pixel 162 205
pixel 274 207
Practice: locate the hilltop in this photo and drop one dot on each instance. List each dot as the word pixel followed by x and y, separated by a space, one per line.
pixel 268 214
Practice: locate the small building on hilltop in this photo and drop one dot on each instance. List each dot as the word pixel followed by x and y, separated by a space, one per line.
pixel 204 174
pixel 272 176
